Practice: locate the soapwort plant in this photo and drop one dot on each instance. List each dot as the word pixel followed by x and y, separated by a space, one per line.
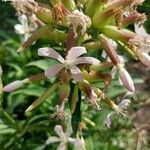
pixel 79 28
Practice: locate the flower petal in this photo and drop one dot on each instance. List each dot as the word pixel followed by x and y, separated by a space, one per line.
pixel 53 70
pixel 113 72
pixel 49 52
pixel 107 122
pixel 61 146
pixel 75 52
pixel 24 21
pixel 124 104
pixel 86 60
pixel 139 30
pixel 76 73
pixel 59 130
pixel 19 29
pixel 52 139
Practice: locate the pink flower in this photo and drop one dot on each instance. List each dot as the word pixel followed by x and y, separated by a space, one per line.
pixel 71 61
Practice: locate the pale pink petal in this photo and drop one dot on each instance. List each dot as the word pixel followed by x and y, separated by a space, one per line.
pixel 62 146
pixel 59 130
pixel 75 52
pixel 76 73
pixel 49 52
pixel 52 139
pixel 139 30
pixel 144 58
pixel 13 86
pixel 126 79
pixel 19 29
pixel 53 70
pixel 86 60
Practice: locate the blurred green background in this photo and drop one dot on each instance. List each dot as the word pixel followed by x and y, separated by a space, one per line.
pixel 20 131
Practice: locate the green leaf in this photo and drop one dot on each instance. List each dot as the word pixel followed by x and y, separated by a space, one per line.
pixel 42 64
pixel 76 116
pixel 42 98
pixel 7 131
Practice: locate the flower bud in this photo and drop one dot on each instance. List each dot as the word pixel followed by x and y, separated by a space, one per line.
pixel 125 78
pixel 63 91
pixel 109 49
pixel 15 85
pixel 144 58
pixel 69 4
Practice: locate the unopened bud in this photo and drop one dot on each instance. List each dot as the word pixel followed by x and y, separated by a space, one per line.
pixel 144 58
pixel 15 85
pixel 125 78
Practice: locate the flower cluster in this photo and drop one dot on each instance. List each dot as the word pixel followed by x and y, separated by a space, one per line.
pixel 91 25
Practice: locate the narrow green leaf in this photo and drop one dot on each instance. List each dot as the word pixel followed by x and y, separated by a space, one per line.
pixel 76 116
pixel 43 97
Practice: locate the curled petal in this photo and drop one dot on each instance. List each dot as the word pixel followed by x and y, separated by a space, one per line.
pixel 86 60
pixel 113 72
pixel 53 70
pixel 49 52
pixel 107 122
pixel 52 139
pixel 126 79
pixel 59 130
pixel 76 73
pixel 124 104
pixel 75 52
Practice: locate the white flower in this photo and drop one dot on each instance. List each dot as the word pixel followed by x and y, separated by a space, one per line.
pixel 64 138
pixel 71 61
pixel 25 28
pixel 119 109
pixel 78 19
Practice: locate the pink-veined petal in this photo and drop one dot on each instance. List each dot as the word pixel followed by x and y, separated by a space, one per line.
pixel 76 73
pixel 59 130
pixel 52 139
pixel 53 70
pixel 86 60
pixel 49 52
pixel 75 52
